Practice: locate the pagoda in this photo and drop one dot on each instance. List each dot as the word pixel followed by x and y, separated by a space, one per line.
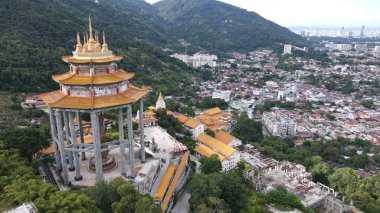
pixel 94 84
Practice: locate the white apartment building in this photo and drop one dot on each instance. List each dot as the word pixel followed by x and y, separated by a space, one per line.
pixel 222 94
pixel 341 47
pixel 279 124
pixel 287 49
pixel 197 60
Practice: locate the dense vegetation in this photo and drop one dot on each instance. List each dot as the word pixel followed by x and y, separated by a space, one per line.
pixel 219 27
pixel 20 184
pixel 35 34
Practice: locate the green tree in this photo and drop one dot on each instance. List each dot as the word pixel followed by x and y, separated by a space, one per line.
pixel 210 132
pixel 201 187
pixel 28 141
pixel 213 205
pixel 66 201
pixel 210 164
pixel 367 104
pixel 247 130
pixel 345 180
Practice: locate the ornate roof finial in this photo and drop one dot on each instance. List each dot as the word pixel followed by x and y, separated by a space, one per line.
pixel 79 45
pixel 90 27
pixel 84 42
pixel 160 97
pixel 98 47
pixel 104 46
pixel 91 41
pixel 78 39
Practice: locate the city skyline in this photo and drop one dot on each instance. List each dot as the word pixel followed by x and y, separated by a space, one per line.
pixel 308 13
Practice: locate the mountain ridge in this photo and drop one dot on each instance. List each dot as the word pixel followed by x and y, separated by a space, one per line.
pixel 217 26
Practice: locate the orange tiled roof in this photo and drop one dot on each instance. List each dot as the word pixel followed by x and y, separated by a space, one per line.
pixel 192 123
pixel 207 152
pixel 182 118
pixel 176 178
pixel 149 113
pixel 212 111
pixel 92 60
pixel 73 79
pixel 224 137
pixel 164 184
pixel 58 99
pixel 50 150
pixel 216 145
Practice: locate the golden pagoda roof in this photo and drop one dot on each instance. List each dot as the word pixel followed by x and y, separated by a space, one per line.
pixel 192 123
pixel 224 137
pixel 212 111
pixel 58 99
pixel 216 145
pixel 176 178
pixel 207 152
pixel 182 118
pixel 164 184
pixel 73 79
pixel 149 113
pixel 76 60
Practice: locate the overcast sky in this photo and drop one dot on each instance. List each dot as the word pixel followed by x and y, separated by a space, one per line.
pixel 288 13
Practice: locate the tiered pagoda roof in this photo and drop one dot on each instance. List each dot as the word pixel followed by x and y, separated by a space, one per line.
pixel 94 81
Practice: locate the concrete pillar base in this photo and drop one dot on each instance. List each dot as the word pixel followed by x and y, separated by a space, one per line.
pixel 78 178
pixel 71 169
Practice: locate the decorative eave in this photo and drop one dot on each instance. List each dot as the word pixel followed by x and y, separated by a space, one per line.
pixel 58 99
pixel 73 79
pixel 70 59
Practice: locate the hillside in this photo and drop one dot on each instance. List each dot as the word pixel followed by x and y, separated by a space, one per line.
pixel 35 34
pixel 216 26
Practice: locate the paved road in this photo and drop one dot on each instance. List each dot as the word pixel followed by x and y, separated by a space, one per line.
pixel 182 205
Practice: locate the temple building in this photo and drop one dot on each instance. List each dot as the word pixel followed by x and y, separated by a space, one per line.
pixel 160 103
pixel 94 84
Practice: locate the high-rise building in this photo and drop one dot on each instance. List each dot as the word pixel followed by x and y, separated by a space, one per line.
pixel 362 32
pixel 350 34
pixel 279 124
pixel 287 49
pixel 94 84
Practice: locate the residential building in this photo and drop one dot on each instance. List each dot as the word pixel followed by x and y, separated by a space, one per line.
pixel 208 146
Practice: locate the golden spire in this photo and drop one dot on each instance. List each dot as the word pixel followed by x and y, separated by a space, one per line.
pixel 98 47
pixel 84 43
pixel 79 45
pixel 104 46
pixel 90 27
pixel 91 41
pixel 160 97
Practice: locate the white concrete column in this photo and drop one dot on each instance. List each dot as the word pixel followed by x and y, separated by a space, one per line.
pixel 142 136
pixel 130 140
pixel 80 124
pixel 78 176
pixel 58 119
pixel 54 136
pixel 96 141
pixel 122 142
pixel 67 133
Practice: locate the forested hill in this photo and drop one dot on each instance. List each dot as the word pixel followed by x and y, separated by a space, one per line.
pixel 35 34
pixel 218 26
